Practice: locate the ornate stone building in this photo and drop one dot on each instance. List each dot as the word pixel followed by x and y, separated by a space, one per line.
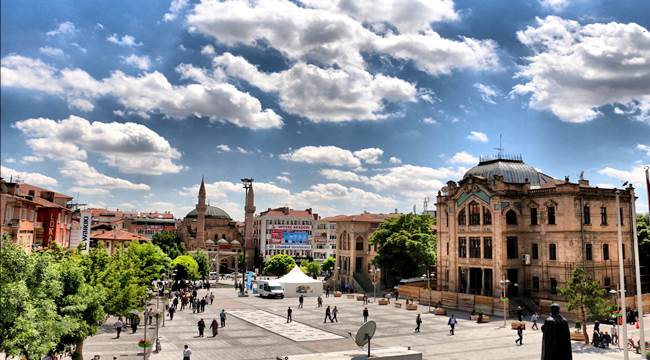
pixel 203 226
pixel 506 220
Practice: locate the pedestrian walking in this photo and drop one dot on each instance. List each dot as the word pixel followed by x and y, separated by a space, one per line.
pixel 201 326
pixel 203 302
pixel 211 297
pixel 319 300
pixel 214 326
pixel 520 313
pixel 289 311
pixel 365 314
pixel 614 334
pixel 534 318
pixel 222 316
pixel 520 334
pixel 418 321
pixel 150 315
pixel 172 310
pixel 145 315
pixel 187 352
pixel 135 321
pixel 301 299
pixel 118 327
pixel 327 292
pixel 328 315
pixel 365 299
pixel 452 324
pixel 335 311
pixel 194 306
pixel 175 302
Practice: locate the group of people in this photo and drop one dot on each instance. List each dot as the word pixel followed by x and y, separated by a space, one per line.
pixel 603 339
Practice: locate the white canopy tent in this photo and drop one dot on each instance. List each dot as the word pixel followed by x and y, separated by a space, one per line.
pixel 297 283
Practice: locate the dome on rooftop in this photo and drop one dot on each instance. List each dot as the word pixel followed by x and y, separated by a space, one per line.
pixel 512 168
pixel 211 212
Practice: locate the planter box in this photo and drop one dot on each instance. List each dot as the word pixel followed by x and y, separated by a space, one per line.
pixel 359 297
pixel 398 304
pixel 515 325
pixel 382 302
pixel 439 311
pixel 411 307
pixel 350 296
pixel 484 320
pixel 337 294
pixel 577 336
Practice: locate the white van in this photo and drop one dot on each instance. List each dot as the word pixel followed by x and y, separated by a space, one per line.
pixel 268 289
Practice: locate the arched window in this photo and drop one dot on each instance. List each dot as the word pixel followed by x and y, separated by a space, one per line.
pixel 461 217
pixel 487 216
pixel 474 213
pixel 511 217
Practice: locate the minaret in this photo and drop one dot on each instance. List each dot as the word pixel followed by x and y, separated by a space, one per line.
pixel 200 218
pixel 248 220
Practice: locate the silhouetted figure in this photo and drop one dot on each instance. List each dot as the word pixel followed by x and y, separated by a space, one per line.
pixel 556 341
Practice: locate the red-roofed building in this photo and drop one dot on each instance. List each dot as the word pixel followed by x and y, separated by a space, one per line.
pixel 115 240
pixel 284 231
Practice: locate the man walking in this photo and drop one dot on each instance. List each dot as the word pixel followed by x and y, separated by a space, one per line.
pixel 334 313
pixel 452 324
pixel 534 318
pixel 187 352
pixel 327 292
pixel 118 327
pixel 222 316
pixel 135 321
pixel 289 311
pixel 418 321
pixel 301 299
pixel 172 310
pixel 211 297
pixel 520 334
pixel 328 315
pixel 203 302
pixel 201 326
pixel 319 301
pixel 365 314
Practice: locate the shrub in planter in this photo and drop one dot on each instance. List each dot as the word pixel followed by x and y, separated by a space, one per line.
pixel 144 344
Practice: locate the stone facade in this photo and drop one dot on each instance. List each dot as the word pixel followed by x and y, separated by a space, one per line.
pixel 531 230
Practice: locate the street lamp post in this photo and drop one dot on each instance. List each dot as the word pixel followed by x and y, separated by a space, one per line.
pixel 637 271
pixel 338 273
pixel 615 292
pixel 504 287
pixel 621 269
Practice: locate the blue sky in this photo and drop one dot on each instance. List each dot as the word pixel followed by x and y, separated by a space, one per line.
pixel 340 106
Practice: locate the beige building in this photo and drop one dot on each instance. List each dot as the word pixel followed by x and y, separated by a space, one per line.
pixel 506 220
pixel 354 253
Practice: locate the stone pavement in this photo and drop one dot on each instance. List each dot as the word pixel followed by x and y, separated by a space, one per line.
pixel 252 339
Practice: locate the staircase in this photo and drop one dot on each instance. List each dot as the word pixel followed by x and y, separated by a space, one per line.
pixel 363 281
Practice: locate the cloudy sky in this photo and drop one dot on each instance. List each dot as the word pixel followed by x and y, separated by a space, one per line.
pixel 342 106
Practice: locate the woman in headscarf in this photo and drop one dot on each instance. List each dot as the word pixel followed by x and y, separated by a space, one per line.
pixel 214 326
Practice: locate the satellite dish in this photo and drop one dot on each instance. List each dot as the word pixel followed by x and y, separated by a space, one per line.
pixel 365 333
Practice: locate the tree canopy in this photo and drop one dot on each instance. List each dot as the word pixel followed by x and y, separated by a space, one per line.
pixel 643 233
pixel 169 243
pixel 585 294
pixel 186 268
pixel 311 268
pixel 328 264
pixel 406 246
pixel 202 260
pixel 279 265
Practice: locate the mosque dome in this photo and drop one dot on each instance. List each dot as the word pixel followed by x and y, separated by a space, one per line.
pixel 512 168
pixel 212 212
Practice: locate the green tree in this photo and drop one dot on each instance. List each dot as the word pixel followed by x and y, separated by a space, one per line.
pixel 121 281
pixel 202 260
pixel 186 268
pixel 406 246
pixel 643 233
pixel 279 265
pixel 29 322
pixel 169 243
pixel 585 294
pixel 329 264
pixel 150 262
pixel 311 268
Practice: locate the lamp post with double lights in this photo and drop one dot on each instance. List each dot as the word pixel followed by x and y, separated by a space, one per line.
pixel 619 314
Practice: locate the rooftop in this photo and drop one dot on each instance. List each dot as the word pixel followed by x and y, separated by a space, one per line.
pixel 363 217
pixel 211 212
pixel 511 167
pixel 118 234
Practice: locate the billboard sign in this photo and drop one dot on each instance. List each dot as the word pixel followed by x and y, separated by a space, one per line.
pixel 84 228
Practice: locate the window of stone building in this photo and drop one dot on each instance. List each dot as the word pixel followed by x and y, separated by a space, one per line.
pixel 487 216
pixel 461 217
pixel 586 217
pixel 474 213
pixel 512 248
pixel 447 244
pixel 605 252
pixel 447 219
pixel 603 215
pixel 535 283
pixel 552 254
pixel 533 216
pixel 588 252
pixel 535 252
pixel 475 247
pixel 511 217
pixel 359 244
pixel 607 282
pixel 620 213
pixel 462 247
pixel 487 247
pixel 623 251
pixel 553 286
pixel 551 215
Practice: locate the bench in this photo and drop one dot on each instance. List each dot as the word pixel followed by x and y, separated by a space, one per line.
pixel 383 302
pixel 398 304
pixel 359 297
pixel 439 311
pixel 412 306
pixel 577 336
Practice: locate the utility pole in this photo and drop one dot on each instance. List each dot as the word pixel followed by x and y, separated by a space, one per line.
pixel 637 270
pixel 621 270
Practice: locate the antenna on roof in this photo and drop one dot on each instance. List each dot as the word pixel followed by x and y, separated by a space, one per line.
pixel 500 148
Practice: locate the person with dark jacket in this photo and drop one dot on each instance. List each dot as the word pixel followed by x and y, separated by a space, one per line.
pixel 172 310
pixel 135 321
pixel 520 334
pixel 452 324
pixel 328 315
pixel 418 321
pixel 365 314
pixel 201 326
pixel 214 326
pixel 289 311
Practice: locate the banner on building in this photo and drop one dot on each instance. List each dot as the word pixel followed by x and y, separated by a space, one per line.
pixel 84 228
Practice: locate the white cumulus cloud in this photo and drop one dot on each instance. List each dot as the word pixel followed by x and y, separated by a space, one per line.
pixel 478 136
pixel 64 28
pixel 27 177
pixel 124 40
pixel 51 51
pixel 327 155
pixel 463 158
pixel 139 62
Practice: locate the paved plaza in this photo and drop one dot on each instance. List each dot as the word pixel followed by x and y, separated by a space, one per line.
pixel 256 329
